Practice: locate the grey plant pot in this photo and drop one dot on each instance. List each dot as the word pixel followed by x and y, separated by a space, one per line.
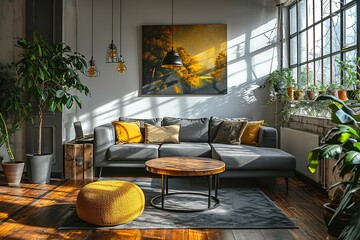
pixel 39 167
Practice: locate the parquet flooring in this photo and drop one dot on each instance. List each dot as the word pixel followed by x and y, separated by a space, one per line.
pixel 33 211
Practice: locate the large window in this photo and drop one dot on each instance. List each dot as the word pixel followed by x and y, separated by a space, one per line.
pixel 322 31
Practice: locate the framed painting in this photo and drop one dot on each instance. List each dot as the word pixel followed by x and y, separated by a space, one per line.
pixel 202 49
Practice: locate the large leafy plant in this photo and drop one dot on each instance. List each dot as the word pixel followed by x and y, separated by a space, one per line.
pixel 50 73
pixel 342 143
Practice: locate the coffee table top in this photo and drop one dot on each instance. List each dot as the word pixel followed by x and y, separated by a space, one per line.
pixel 185 166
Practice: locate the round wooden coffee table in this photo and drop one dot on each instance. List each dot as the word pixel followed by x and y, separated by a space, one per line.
pixel 185 167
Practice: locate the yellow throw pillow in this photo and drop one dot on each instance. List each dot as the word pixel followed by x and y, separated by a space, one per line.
pixel 128 132
pixel 164 134
pixel 250 135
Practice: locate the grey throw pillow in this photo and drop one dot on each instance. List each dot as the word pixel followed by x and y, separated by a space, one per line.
pixel 230 132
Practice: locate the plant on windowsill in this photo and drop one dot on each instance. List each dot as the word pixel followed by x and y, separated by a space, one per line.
pixel 341 143
pixel 14 110
pixel 50 73
pixel 312 91
pixel 350 77
pixel 332 89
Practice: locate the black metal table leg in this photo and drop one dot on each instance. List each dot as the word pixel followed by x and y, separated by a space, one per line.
pixel 162 191
pixel 216 184
pixel 167 184
pixel 210 189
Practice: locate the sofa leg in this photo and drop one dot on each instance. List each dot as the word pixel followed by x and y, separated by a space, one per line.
pixel 287 186
pixel 100 172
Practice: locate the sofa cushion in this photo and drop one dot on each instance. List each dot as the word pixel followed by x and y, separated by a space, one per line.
pixel 127 132
pixel 251 132
pixel 249 157
pixel 164 134
pixel 129 151
pixel 152 121
pixel 214 125
pixel 230 132
pixel 191 130
pixel 185 149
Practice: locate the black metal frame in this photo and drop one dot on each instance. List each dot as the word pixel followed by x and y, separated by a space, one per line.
pixel 165 193
pixel 342 50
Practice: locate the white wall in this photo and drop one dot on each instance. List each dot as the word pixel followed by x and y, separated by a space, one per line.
pixel 251 27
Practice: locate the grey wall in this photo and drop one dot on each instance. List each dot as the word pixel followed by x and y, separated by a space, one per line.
pixel 252 55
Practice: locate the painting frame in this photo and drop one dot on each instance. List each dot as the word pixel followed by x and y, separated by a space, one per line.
pixel 203 50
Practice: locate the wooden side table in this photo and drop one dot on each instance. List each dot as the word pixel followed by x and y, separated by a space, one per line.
pixel 78 160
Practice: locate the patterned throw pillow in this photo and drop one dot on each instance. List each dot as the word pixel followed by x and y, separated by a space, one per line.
pixel 250 136
pixel 230 132
pixel 127 132
pixel 164 134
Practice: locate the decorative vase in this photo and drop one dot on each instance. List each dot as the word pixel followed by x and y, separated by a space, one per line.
pixel 38 167
pixel 311 95
pixel 298 94
pixel 342 95
pixel 13 172
pixel 290 92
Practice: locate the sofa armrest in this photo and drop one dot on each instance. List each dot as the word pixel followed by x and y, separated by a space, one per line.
pixel 104 137
pixel 268 137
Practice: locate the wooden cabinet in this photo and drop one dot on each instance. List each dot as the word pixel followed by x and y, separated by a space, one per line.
pixel 78 160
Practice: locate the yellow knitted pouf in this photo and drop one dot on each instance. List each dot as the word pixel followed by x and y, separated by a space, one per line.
pixel 110 202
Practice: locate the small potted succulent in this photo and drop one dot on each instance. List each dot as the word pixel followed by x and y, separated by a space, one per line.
pixel 312 91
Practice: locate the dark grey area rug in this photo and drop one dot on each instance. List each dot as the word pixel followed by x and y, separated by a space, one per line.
pixel 244 207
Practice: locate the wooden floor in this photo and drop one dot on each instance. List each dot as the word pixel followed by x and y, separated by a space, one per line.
pixel 33 211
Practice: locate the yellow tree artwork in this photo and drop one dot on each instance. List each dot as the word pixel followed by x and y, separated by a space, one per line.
pixel 202 48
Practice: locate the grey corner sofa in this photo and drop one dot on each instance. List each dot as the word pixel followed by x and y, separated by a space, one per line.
pixel 196 140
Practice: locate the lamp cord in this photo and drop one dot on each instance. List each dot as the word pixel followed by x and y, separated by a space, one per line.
pixel 112 21
pixel 92 28
pixel 172 24
pixel 120 25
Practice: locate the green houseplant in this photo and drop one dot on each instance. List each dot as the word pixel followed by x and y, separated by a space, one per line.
pixel 14 110
pixel 350 77
pixel 278 79
pixel 49 73
pixel 342 143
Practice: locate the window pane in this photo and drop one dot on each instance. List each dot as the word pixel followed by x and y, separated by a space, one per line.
pixel 318 73
pixel 311 73
pixel 303 50
pixel 350 27
pixel 326 37
pixel 317 9
pixel 336 33
pixel 351 55
pixel 302 15
pixel 326 77
pixel 335 69
pixel 293 51
pixel 347 1
pixel 293 19
pixel 326 8
pixel 311 43
pixel 303 72
pixel 335 5
pixel 310 13
pixel 318 35
pixel 294 74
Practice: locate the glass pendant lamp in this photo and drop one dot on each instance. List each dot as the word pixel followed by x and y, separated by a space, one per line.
pixel 112 53
pixel 121 67
pixel 172 58
pixel 92 70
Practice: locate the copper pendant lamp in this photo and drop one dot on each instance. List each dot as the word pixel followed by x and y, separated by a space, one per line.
pixel 92 70
pixel 112 53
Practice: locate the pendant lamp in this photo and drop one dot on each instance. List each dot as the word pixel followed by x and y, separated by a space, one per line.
pixel 112 53
pixel 172 58
pixel 92 70
pixel 121 67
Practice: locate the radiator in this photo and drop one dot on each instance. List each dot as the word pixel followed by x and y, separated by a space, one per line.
pixel 299 144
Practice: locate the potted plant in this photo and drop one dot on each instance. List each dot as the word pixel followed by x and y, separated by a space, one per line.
pixel 14 110
pixel 342 143
pixel 298 92
pixel 332 89
pixel 312 91
pixel 350 77
pixel 342 93
pixel 278 79
pixel 49 72
pixel 322 90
